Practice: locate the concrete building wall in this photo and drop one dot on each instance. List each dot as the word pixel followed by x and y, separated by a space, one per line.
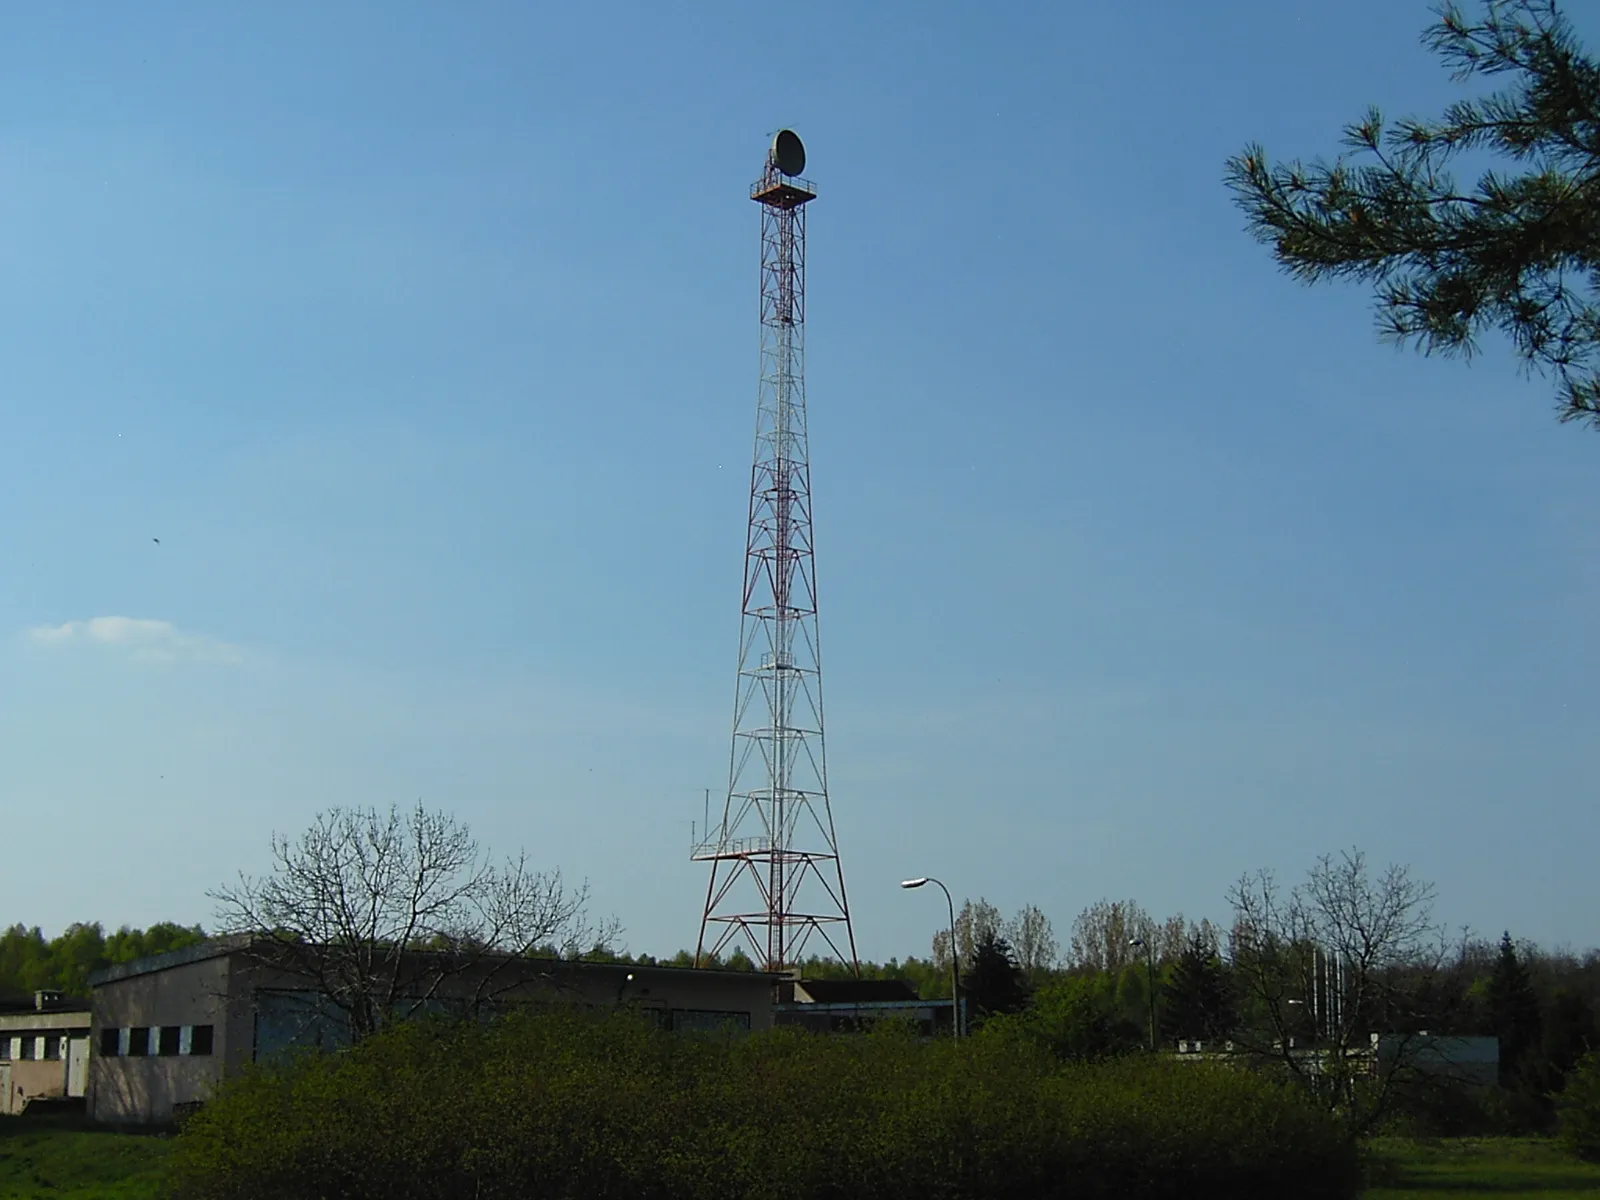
pixel 280 1010
pixel 253 1011
pixel 690 999
pixel 131 1088
pixel 32 1081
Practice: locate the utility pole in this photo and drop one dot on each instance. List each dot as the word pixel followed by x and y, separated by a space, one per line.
pixel 1150 983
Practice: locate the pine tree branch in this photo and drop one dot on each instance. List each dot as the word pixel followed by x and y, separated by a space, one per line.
pixel 1518 253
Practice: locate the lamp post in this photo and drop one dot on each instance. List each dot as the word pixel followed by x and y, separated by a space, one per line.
pixel 1150 977
pixel 955 963
pixel 1289 1023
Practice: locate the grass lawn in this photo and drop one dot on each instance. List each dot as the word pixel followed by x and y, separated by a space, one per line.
pixel 60 1158
pixel 1506 1168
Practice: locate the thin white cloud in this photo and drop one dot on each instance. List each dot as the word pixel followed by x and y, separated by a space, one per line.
pixel 144 639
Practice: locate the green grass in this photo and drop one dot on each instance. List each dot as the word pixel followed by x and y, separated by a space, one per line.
pixel 1505 1168
pixel 59 1157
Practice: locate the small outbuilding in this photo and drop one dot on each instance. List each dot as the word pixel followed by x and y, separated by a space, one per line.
pixel 44 1050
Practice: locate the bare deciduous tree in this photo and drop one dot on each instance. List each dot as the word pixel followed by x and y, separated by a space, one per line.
pixel 1205 934
pixel 1103 931
pixel 974 923
pixel 1333 961
pixel 377 911
pixel 1170 937
pixel 1103 934
pixel 1033 941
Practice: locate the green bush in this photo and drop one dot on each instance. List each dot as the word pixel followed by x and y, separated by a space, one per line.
pixel 1578 1109
pixel 567 1106
pixel 1078 1018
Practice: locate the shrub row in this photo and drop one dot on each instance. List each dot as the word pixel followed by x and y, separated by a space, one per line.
pixel 563 1105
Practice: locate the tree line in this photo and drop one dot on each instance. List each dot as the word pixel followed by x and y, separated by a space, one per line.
pixel 1301 979
pixel 30 962
pixel 1096 1002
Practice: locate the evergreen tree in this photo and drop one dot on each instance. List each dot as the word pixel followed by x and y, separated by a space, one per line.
pixel 1513 1010
pixel 994 983
pixel 1198 994
pixel 1518 251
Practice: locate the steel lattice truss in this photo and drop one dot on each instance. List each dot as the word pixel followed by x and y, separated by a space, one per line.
pixel 776 879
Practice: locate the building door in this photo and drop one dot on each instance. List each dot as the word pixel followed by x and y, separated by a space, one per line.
pixel 77 1066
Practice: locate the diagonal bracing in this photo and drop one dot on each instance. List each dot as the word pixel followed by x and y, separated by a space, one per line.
pixel 776 880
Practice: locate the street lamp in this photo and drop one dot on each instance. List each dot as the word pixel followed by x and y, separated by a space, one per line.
pixel 955 966
pixel 1150 976
pixel 1288 1037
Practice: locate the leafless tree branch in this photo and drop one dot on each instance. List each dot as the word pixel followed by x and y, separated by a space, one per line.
pixel 378 911
pixel 1345 954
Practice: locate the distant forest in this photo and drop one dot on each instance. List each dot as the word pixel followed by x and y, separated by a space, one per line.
pixel 29 961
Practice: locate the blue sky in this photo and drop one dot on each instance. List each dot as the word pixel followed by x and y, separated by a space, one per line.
pixel 424 337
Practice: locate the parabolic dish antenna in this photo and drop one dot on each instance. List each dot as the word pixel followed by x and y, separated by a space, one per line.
pixel 788 152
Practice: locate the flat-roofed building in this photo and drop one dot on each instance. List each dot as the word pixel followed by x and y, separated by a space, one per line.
pixel 1465 1060
pixel 168 1028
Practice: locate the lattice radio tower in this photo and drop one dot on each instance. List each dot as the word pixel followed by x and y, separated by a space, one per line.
pixel 776 878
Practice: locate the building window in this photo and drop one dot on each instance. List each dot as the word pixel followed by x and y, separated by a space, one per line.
pixel 139 1041
pixel 110 1042
pixel 5 1049
pixel 200 1040
pixel 27 1049
pixel 52 1046
pixel 167 1041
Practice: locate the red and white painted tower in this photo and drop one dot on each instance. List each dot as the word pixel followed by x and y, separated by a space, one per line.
pixel 776 878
